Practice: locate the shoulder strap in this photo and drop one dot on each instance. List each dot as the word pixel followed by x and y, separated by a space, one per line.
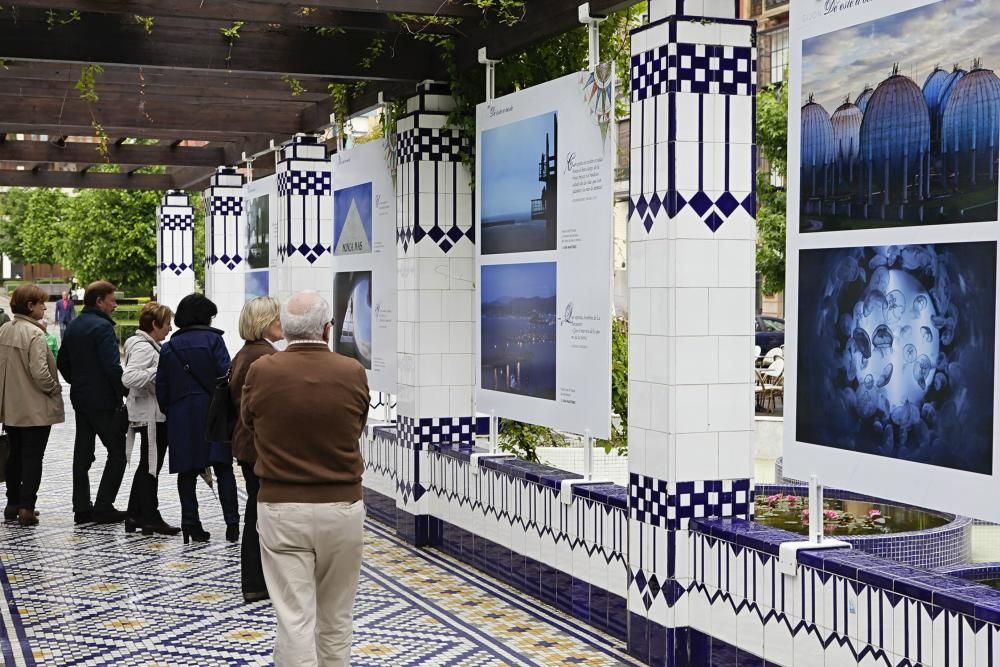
pixel 187 367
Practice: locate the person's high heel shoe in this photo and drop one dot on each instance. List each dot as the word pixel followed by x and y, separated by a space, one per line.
pixel 233 533
pixel 195 534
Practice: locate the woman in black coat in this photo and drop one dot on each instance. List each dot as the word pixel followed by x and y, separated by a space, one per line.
pixel 190 362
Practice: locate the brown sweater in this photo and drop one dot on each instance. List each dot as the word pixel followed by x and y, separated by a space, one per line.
pixel 242 438
pixel 306 408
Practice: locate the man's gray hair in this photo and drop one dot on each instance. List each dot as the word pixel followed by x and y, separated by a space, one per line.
pixel 304 315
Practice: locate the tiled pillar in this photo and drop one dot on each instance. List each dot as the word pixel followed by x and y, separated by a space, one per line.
pixel 436 260
pixel 305 219
pixel 175 248
pixel 224 251
pixel 691 299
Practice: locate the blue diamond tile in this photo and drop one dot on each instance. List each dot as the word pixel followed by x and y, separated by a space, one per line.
pixel 436 233
pixel 727 204
pixel 304 249
pixel 701 203
pixel 455 234
pixel 641 206
pixel 714 221
pixel 654 204
pixel 445 245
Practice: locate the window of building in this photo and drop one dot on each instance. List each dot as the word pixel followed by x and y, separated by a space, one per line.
pixel 774 48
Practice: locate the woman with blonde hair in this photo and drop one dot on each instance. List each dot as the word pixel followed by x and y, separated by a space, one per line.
pixel 142 358
pixel 260 327
pixel 30 400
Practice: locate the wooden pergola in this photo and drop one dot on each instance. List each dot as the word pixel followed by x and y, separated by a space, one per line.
pixel 170 74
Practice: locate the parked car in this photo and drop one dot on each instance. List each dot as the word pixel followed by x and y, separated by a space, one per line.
pixel 769 332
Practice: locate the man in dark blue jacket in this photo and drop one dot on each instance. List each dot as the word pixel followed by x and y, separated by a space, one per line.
pixel 90 362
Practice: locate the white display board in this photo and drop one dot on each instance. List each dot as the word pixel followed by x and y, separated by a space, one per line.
pixel 891 298
pixel 259 225
pixel 364 262
pixel 544 230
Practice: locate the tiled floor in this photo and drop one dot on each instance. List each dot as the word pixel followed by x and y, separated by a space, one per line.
pixel 92 595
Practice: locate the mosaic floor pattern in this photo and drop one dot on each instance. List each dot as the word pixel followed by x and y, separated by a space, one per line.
pixel 93 595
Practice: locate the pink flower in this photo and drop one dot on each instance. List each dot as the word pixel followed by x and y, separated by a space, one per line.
pixel 830 514
pixel 772 499
pixel 874 513
pixel 791 499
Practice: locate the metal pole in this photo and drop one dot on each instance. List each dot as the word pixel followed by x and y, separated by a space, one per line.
pixel 815 510
pixel 493 432
pixel 593 34
pixel 388 408
pixel 490 74
pixel 588 455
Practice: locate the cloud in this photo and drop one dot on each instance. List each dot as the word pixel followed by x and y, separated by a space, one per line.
pixel 842 62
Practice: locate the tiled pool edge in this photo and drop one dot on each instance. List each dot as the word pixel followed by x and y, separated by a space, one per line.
pixel 946 546
pixel 509 519
pixel 842 604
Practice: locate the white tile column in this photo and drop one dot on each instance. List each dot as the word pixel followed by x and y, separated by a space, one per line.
pixel 691 298
pixel 225 254
pixel 175 248
pixel 436 260
pixel 305 219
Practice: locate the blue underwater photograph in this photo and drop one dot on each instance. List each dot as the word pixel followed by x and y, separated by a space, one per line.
pixel 896 352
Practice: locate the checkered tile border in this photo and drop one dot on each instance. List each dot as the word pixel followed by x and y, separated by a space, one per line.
pixel 671 504
pixel 177 221
pixel 304 183
pixel 419 433
pixel 227 206
pixel 694 68
pixel 437 145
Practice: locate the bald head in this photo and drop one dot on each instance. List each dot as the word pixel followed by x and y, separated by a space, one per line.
pixel 304 316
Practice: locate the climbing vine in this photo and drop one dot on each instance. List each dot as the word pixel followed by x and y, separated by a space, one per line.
pixel 87 86
pixel 54 19
pixel 145 21
pixel 231 35
pixel 294 85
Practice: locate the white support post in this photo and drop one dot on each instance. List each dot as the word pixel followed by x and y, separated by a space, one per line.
pixel 490 74
pixel 593 33
pixel 815 510
pixel 588 456
pixel 493 432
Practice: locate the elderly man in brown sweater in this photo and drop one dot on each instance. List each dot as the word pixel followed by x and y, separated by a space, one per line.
pixel 306 408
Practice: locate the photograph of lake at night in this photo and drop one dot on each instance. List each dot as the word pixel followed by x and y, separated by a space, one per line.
pixel 518 329
pixel 519 186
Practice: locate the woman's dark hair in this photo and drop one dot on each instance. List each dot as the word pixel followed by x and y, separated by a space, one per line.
pixel 194 310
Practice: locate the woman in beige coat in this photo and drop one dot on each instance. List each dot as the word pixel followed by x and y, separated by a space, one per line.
pixel 30 400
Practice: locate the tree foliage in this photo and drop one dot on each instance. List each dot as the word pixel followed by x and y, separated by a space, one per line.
pixel 111 235
pixel 772 140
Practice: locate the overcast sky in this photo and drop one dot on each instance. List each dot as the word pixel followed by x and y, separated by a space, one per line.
pixel 942 33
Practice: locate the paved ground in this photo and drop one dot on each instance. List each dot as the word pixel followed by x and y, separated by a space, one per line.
pixel 94 596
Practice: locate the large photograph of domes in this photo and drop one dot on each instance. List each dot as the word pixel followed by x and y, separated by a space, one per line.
pixel 900 123
pixel 896 352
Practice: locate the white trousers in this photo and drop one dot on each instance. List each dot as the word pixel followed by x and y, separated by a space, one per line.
pixel 311 554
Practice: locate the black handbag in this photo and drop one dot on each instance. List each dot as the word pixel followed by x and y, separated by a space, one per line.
pixel 221 418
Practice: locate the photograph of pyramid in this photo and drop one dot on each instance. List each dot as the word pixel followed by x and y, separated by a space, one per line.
pixel 352 220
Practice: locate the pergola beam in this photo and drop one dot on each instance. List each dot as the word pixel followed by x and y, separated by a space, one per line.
pixel 73 179
pixel 21 87
pixel 130 154
pixel 305 14
pixel 110 39
pixel 129 116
